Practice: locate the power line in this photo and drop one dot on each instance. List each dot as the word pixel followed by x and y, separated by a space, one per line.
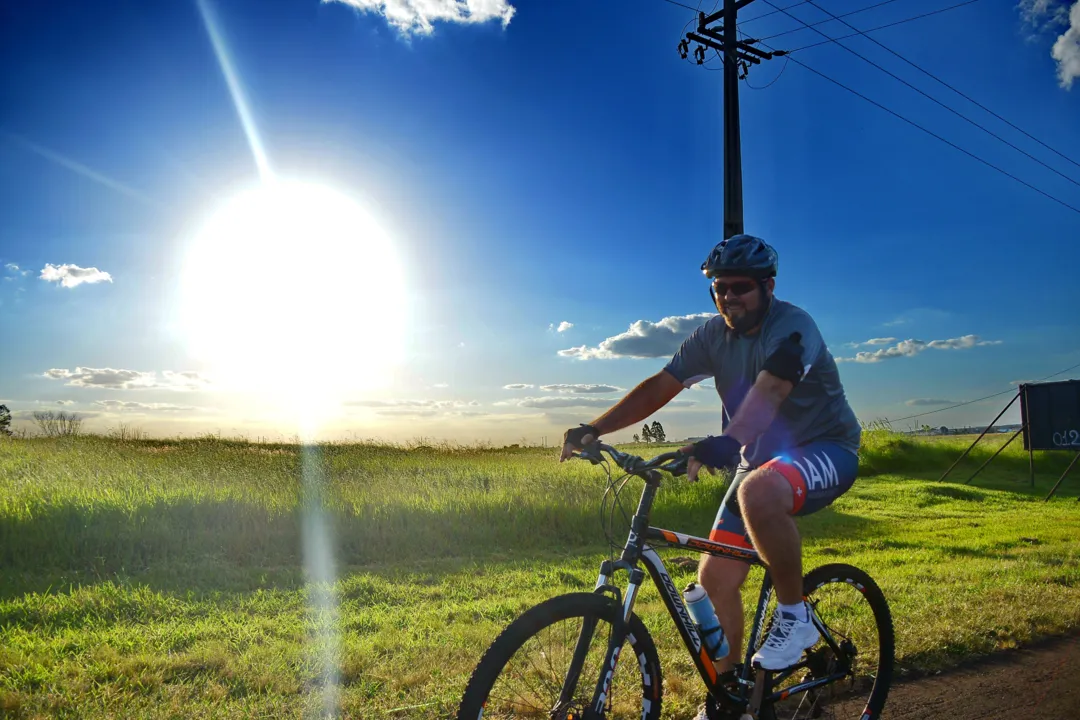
pixel 879 27
pixel 672 2
pixel 935 77
pixel 773 12
pixel 768 84
pixel 922 92
pixel 788 32
pixel 969 402
pixel 931 133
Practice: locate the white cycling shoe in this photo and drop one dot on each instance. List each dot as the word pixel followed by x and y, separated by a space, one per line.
pixel 786 641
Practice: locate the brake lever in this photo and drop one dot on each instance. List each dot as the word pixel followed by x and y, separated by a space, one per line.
pixel 677 467
pixel 588 454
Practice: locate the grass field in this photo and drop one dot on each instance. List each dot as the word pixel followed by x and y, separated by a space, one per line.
pixel 176 578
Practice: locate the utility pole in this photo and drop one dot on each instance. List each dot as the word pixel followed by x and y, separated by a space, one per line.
pixel 737 55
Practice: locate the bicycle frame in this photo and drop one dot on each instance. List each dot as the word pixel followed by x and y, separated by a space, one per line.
pixel 637 549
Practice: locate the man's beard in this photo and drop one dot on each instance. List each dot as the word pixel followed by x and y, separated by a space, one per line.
pixel 747 320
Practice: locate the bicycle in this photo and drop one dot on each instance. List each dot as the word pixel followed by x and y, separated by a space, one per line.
pixel 592 686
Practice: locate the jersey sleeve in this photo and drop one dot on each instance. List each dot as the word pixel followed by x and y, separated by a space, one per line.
pixel 693 362
pixel 798 331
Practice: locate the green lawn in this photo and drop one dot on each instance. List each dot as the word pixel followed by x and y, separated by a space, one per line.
pixel 170 578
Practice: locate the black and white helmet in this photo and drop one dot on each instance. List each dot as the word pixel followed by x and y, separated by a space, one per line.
pixel 741 255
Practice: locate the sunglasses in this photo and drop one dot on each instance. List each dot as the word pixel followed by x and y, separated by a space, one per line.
pixel 740 287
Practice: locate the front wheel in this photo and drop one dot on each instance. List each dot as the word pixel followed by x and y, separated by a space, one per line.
pixel 546 664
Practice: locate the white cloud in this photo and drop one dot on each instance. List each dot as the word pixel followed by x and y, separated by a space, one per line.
pixel 880 341
pixel 70 276
pixel 114 379
pixel 518 386
pixel 644 339
pixel 441 386
pixel 1066 49
pixel 418 17
pixel 562 327
pixel 911 348
pixel 579 388
pixel 919 402
pixel 1049 17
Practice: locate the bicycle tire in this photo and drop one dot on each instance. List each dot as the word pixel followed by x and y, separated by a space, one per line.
pixel 543 616
pixel 882 671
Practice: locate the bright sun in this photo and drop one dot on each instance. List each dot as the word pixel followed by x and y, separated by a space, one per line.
pixel 293 291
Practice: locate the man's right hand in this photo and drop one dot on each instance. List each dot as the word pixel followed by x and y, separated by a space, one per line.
pixel 576 439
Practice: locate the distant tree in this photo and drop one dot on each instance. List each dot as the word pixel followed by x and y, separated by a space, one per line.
pixel 637 438
pixel 646 433
pixel 5 421
pixel 658 431
pixel 944 430
pixel 59 424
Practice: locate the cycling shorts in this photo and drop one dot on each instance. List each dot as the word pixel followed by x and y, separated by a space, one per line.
pixel 818 472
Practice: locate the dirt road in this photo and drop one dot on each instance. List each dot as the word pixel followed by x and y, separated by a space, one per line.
pixel 1042 681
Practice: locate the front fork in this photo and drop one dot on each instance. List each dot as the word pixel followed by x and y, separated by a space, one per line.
pixel 611 657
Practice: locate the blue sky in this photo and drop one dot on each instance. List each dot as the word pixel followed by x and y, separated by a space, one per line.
pixel 515 167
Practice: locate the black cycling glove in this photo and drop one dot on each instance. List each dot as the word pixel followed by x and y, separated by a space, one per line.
pixel 574 436
pixel 721 451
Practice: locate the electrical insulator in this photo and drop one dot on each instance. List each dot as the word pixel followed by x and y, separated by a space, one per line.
pixel 699 53
pixel 684 48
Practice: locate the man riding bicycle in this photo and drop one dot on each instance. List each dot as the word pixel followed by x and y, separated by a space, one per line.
pixel 787 429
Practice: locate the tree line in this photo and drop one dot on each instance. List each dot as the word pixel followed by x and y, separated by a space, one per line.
pixel 651 433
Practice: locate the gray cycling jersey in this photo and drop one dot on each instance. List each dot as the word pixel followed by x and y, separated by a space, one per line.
pixel 816 409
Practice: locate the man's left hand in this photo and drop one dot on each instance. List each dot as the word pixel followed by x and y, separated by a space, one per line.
pixel 721 451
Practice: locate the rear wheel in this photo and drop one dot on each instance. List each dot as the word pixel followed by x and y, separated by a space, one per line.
pixel 529 670
pixel 856 617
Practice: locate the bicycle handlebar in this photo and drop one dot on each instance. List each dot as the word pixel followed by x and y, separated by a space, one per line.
pixel 673 462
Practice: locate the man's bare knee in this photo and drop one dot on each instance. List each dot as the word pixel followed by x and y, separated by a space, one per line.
pixel 721 575
pixel 765 491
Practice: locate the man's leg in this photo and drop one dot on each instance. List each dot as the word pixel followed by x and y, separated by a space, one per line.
pixel 767 501
pixel 797 483
pixel 722 579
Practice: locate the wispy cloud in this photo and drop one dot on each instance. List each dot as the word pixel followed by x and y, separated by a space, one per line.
pixel 580 389
pixel 15 270
pixel 644 339
pixel 416 408
pixel 1044 14
pixel 912 347
pixel 116 379
pixel 70 276
pixel 80 169
pixel 418 17
pixel 127 405
pixel 518 386
pixel 566 401
pixel 920 402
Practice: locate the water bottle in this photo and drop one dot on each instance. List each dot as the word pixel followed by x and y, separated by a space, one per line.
pixel 701 610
